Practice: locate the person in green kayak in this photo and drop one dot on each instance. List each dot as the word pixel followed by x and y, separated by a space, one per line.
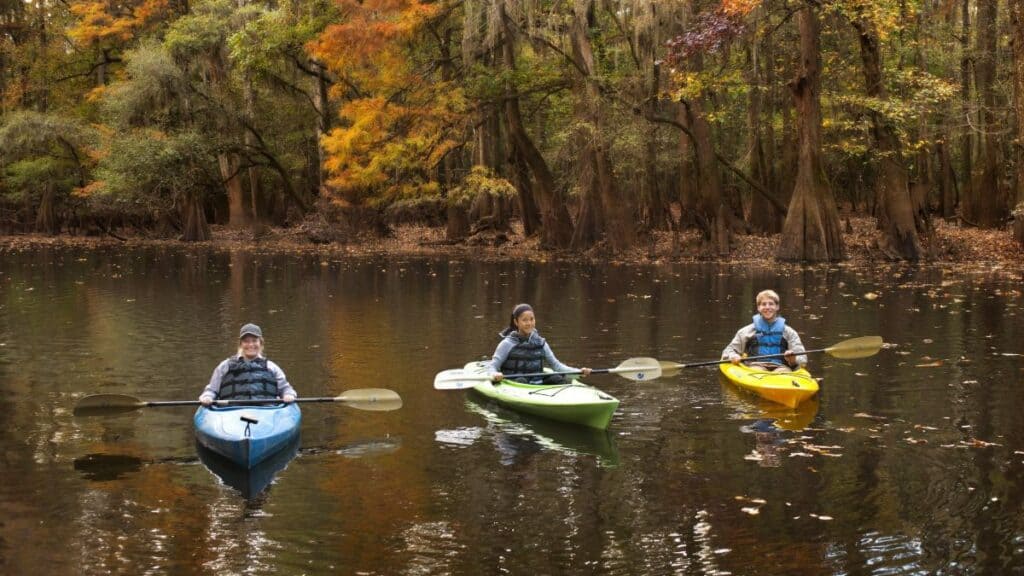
pixel 523 351
pixel 248 374
pixel 767 334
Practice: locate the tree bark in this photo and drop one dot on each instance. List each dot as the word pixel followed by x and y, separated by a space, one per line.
pixel 763 217
pixel 1017 25
pixel 967 141
pixel 988 192
pixel 898 237
pixel 556 226
pixel 194 225
pixel 612 209
pixel 811 231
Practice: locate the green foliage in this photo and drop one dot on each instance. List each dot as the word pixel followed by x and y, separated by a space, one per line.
pixel 41 149
pixel 480 180
pixel 27 179
pixel 152 91
pixel 145 170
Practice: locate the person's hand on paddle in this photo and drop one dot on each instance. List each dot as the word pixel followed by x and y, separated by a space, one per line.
pixel 288 398
pixel 735 359
pixel 497 377
pixel 205 400
pixel 790 357
pixel 585 372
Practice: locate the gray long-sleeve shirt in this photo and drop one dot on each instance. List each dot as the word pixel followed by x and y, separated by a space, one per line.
pixel 509 342
pixel 738 346
pixel 212 389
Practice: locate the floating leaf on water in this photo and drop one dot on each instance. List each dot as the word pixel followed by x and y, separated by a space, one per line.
pixel 801 454
pixel 935 364
pixel 866 415
pixel 927 340
pixel 825 518
pixel 871 296
pixel 753 511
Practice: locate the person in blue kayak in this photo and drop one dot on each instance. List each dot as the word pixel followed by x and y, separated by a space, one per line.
pixel 248 374
pixel 767 334
pixel 523 351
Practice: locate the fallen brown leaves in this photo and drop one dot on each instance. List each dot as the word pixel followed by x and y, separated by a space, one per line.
pixel 947 243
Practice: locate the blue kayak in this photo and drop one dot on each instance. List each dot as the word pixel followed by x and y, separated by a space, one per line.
pixel 247 435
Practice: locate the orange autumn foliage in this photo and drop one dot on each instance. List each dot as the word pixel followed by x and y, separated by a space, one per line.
pixel 102 21
pixel 399 114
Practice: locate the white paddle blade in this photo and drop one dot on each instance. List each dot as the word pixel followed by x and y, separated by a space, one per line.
pixel 457 379
pixel 638 369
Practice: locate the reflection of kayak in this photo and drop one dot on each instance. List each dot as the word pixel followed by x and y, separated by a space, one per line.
pixel 246 435
pixel 551 435
pixel 748 407
pixel 786 388
pixel 249 481
pixel 573 402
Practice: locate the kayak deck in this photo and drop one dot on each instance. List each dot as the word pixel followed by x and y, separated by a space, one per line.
pixel 572 402
pixel 247 435
pixel 786 388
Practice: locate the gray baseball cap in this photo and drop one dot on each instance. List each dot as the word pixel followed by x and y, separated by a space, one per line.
pixel 250 330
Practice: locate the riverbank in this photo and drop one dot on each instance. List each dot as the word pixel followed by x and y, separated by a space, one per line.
pixel 949 244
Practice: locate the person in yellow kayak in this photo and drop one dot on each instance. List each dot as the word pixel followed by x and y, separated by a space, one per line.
pixel 767 334
pixel 523 351
pixel 248 374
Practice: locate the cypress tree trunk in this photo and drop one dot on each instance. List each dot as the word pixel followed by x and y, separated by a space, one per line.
pixel 612 210
pixel 898 232
pixel 811 231
pixel 556 226
pixel 989 195
pixel 1017 25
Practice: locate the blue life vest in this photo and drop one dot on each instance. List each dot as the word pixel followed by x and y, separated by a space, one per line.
pixel 768 339
pixel 248 379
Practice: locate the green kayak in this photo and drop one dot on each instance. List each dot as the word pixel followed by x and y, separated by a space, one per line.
pixel 573 402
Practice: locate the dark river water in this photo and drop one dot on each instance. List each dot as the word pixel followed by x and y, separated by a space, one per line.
pixel 908 462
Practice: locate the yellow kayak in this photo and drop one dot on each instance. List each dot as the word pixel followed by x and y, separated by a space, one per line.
pixel 786 388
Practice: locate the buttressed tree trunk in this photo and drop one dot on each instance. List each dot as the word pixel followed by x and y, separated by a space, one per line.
pixel 1017 24
pixel 898 238
pixel 989 206
pixel 556 226
pixel 763 217
pixel 611 207
pixel 811 231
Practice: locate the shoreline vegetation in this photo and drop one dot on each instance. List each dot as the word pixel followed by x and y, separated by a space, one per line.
pixel 948 244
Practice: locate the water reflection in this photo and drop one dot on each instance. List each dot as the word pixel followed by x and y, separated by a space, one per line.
pixel 250 483
pixel 107 467
pixel 911 462
pixel 518 435
pixel 748 406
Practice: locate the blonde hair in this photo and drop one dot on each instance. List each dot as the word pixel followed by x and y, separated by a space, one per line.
pixel 766 295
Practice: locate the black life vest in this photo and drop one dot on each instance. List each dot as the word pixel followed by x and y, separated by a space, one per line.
pixel 248 379
pixel 768 339
pixel 527 356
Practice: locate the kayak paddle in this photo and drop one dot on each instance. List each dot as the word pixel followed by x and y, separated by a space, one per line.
pixel 636 369
pixel 847 349
pixel 375 399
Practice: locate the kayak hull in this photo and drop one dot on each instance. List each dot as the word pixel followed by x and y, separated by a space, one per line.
pixel 786 388
pixel 247 435
pixel 573 402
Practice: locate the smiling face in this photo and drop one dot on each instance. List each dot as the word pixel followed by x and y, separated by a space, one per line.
pixel 526 323
pixel 251 346
pixel 768 309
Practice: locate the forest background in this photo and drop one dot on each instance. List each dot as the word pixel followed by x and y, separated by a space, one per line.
pixel 592 125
